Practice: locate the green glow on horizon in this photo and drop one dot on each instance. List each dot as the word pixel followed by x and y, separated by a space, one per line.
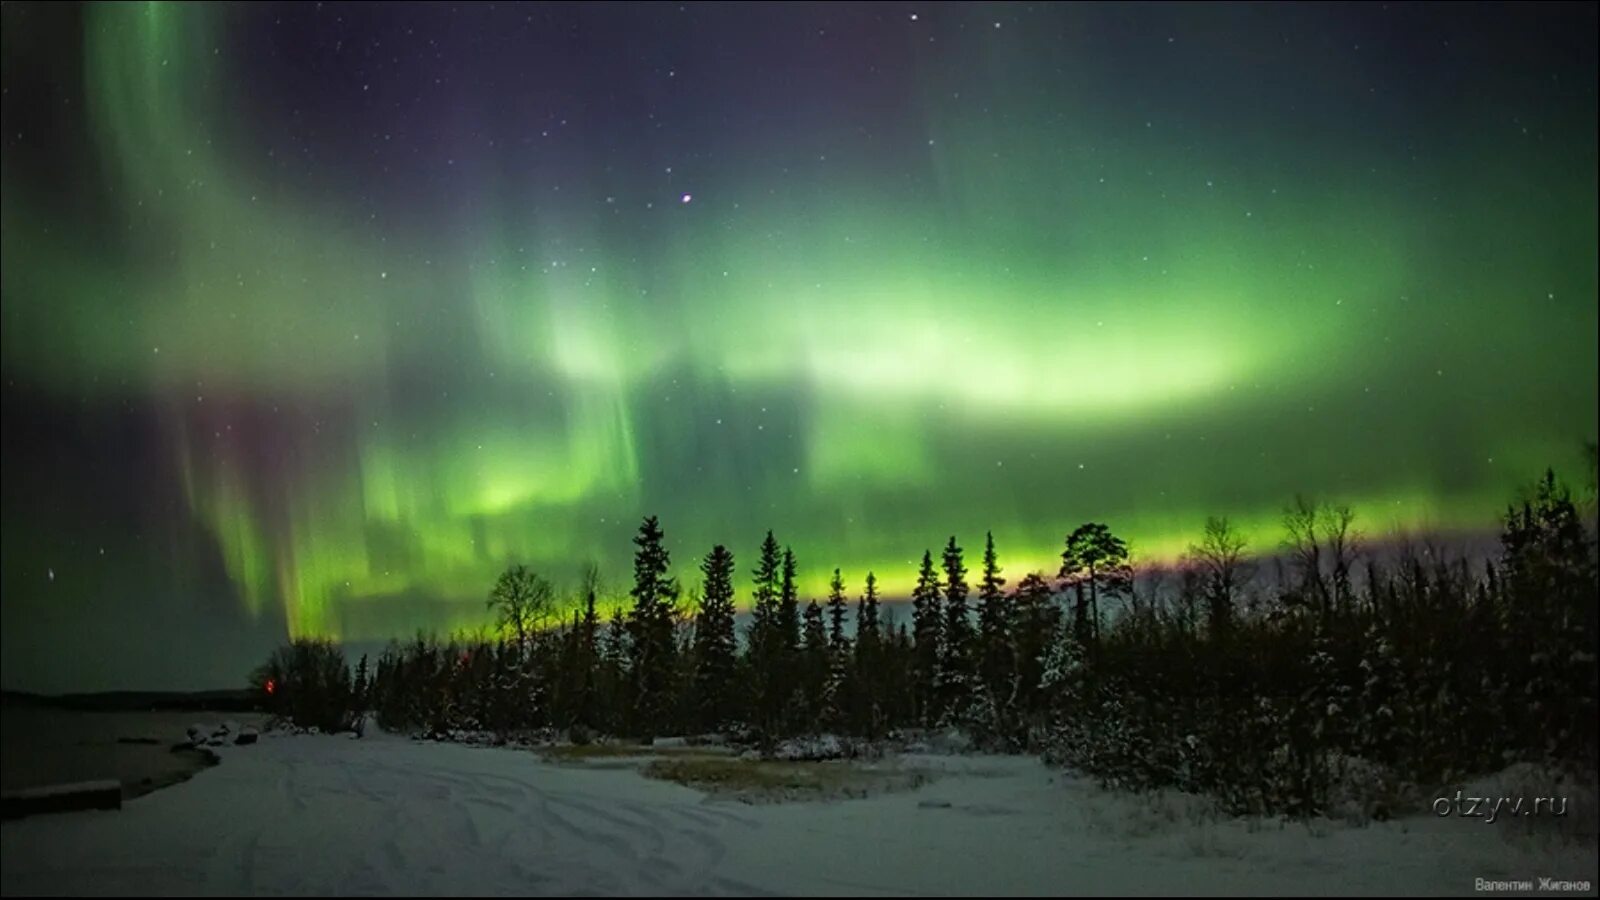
pixel 1075 335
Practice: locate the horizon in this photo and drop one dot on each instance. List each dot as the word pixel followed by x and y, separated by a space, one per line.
pixel 1474 547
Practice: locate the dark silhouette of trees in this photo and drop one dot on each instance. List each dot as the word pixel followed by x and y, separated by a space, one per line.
pixel 869 713
pixel 837 696
pixel 310 684
pixel 652 626
pixel 715 647
pixel 1097 560
pixel 1223 570
pixel 997 651
pixel 522 602
pixel 955 664
pixel 1266 706
pixel 361 687
pixel 1035 619
pixel 1321 545
pixel 766 652
pixel 927 623
pixel 813 669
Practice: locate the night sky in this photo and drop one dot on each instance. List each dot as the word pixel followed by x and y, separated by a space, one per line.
pixel 317 315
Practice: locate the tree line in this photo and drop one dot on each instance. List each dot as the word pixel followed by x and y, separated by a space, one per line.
pixel 1423 667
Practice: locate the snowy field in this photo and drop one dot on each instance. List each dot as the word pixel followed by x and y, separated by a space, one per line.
pixel 329 815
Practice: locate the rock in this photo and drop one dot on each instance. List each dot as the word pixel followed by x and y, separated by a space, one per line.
pixel 229 727
pixel 934 804
pixel 246 735
pixel 198 734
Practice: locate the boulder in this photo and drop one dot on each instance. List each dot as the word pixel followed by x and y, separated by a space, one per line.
pixel 246 735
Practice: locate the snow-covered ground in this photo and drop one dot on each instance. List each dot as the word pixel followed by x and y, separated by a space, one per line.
pixel 329 815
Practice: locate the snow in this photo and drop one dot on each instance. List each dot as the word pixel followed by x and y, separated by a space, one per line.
pixel 302 814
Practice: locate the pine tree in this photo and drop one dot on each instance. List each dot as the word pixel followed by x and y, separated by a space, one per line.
pixel 927 618
pixel 998 655
pixel 789 664
pixel 1033 624
pixel 813 668
pixel 616 681
pixel 840 686
pixel 1097 559
pixel 588 656
pixel 838 643
pixel 1549 567
pixel 956 669
pixel 868 718
pixel 361 690
pixel 652 623
pixel 765 650
pixel 715 651
pixel 789 605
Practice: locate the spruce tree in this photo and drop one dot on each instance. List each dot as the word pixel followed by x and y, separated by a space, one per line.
pixel 361 690
pixel 652 622
pixel 956 669
pixel 840 685
pixel 927 619
pixel 868 704
pixel 838 643
pixel 789 605
pixel 997 653
pixel 714 645
pixel 1033 623
pixel 616 683
pixel 765 651
pixel 813 668
pixel 789 663
pixel 588 656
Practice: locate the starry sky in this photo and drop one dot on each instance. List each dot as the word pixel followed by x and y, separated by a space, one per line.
pixel 316 315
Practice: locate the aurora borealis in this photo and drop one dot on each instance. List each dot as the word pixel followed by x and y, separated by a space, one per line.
pixel 316 315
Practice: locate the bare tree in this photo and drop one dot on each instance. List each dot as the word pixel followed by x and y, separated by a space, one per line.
pixel 1223 567
pixel 1343 544
pixel 523 602
pixel 1305 548
pixel 1323 545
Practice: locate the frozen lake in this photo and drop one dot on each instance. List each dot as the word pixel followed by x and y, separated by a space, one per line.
pixel 43 746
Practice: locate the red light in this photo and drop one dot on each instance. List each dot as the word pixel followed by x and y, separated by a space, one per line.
pixel 271 686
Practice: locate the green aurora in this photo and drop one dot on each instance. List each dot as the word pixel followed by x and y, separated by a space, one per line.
pixel 1052 290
